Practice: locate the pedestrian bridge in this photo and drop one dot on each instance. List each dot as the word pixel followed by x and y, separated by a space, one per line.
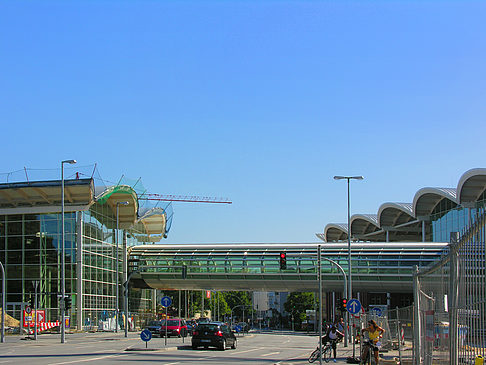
pixel 386 266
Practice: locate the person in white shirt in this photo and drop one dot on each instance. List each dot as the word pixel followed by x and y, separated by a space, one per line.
pixel 332 336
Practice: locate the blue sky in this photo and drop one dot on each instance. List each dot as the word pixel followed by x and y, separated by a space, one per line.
pixel 262 102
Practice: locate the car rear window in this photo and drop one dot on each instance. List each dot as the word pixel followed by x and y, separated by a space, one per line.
pixel 154 323
pixel 172 323
pixel 207 327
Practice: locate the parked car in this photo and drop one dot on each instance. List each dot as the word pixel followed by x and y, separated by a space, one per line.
pixel 154 327
pixel 214 334
pixel 175 327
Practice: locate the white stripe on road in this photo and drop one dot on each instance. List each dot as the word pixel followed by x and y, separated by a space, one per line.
pixel 271 353
pixel 90 359
pixel 241 352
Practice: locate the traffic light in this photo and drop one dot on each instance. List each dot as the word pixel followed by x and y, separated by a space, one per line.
pixel 283 261
pixel 31 302
pixel 184 271
pixel 67 303
pixel 344 302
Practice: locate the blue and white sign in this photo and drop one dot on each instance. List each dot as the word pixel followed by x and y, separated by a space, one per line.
pixel 166 301
pixel 353 306
pixel 146 335
pixel 377 311
pixel 238 329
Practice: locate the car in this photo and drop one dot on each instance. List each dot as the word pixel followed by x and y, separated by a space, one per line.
pixel 175 327
pixel 245 327
pixel 214 334
pixel 154 327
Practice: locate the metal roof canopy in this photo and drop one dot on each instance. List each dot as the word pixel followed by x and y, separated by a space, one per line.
pixel 378 266
pixel 33 197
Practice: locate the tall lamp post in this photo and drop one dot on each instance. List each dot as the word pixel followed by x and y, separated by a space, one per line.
pixel 63 261
pixel 350 286
pixel 117 264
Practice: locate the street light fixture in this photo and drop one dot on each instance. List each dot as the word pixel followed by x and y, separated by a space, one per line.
pixel 350 287
pixel 117 264
pixel 63 249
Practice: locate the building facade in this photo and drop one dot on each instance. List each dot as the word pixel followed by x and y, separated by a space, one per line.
pixel 99 224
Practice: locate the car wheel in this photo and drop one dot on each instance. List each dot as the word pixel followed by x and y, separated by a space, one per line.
pixel 223 345
pixel 233 346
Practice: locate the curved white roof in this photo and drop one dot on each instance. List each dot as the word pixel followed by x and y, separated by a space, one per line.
pixel 364 224
pixel 336 232
pixel 471 185
pixel 391 214
pixel 426 199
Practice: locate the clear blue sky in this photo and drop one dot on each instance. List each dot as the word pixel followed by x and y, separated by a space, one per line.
pixel 258 101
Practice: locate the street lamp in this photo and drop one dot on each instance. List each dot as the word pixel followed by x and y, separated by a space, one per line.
pixel 63 263
pixel 117 264
pixel 350 287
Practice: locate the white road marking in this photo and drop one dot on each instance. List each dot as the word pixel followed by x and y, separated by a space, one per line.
pixel 90 359
pixel 271 353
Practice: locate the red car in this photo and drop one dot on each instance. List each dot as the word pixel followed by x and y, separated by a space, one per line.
pixel 175 327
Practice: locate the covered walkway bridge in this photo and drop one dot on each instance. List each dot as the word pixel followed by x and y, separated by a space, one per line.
pixel 386 266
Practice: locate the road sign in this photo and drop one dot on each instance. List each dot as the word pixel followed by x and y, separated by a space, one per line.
pixel 146 335
pixel 377 311
pixel 41 316
pixel 28 310
pixel 353 306
pixel 166 301
pixel 238 329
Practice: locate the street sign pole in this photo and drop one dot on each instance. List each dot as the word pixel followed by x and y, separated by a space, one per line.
pixel 166 322
pixel 35 283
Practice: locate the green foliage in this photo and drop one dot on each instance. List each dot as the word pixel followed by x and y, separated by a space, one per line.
pixel 297 303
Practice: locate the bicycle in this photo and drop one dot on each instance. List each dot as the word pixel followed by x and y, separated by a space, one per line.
pixel 370 353
pixel 326 353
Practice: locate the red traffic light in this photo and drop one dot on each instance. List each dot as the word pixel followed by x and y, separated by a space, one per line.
pixel 283 261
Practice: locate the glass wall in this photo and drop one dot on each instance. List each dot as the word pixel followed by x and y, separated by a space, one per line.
pixel 447 218
pixel 30 250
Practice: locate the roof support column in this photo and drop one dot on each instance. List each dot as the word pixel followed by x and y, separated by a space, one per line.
pixel 423 231
pixel 79 270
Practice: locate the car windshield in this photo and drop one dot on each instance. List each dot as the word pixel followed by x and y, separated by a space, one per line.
pixel 154 323
pixel 207 327
pixel 172 322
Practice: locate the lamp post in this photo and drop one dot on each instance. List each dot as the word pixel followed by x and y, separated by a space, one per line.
pixel 350 286
pixel 63 249
pixel 117 264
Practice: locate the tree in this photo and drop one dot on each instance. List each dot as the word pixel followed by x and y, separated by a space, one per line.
pixel 297 303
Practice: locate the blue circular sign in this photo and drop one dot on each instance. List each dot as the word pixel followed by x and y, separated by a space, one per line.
pixel 377 311
pixel 238 329
pixel 166 301
pixel 353 306
pixel 146 335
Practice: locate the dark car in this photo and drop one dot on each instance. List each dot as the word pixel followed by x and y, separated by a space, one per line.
pixel 214 334
pixel 175 327
pixel 154 327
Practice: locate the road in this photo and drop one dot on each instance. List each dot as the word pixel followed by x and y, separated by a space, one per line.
pixel 107 348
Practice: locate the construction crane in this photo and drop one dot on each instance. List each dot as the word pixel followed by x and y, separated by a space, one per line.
pixel 185 198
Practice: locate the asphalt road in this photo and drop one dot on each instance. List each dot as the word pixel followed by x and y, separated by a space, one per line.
pixel 282 348
pixel 106 348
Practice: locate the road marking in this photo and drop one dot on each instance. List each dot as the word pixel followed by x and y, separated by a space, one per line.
pixel 90 359
pixel 241 352
pixel 271 353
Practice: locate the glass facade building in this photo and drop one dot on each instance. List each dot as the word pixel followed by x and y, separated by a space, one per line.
pixel 98 231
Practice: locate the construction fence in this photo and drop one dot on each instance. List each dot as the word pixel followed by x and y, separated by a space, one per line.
pixel 450 302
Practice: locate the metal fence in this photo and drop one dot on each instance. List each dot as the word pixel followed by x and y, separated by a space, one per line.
pixel 450 302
